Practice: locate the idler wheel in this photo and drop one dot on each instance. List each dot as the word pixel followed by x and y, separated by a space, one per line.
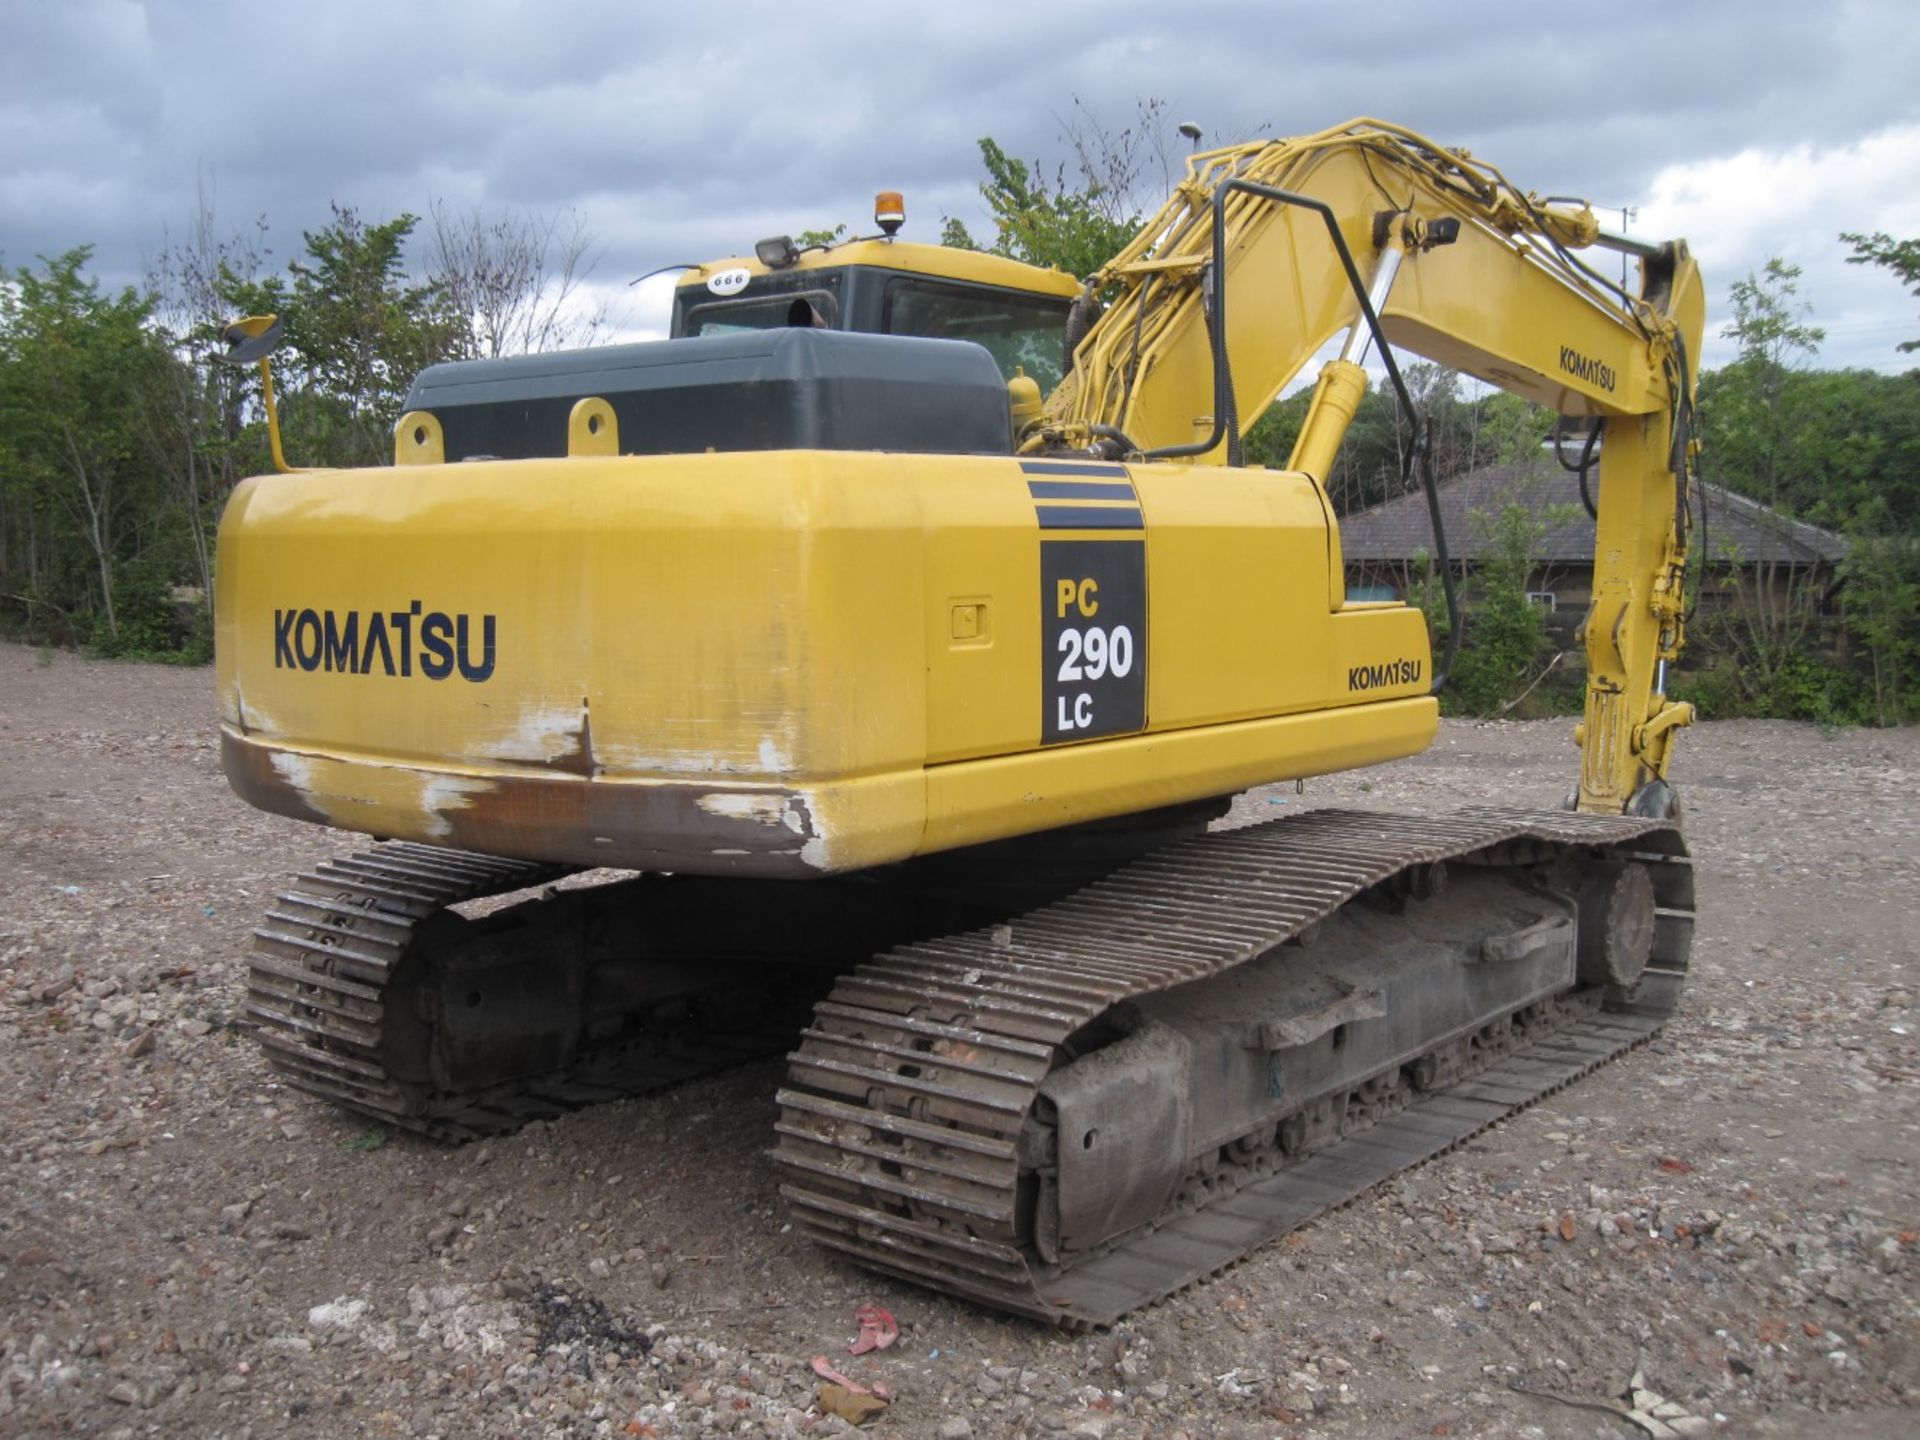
pixel 1616 923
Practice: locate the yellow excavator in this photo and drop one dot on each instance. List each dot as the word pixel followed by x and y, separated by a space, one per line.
pixel 823 590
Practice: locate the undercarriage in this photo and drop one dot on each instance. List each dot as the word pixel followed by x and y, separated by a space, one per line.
pixel 1063 1089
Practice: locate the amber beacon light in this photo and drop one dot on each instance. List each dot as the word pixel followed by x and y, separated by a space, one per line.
pixel 889 211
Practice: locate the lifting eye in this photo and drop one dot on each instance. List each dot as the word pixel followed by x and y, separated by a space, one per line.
pixel 1086 1141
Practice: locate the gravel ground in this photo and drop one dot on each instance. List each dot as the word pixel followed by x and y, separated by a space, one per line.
pixel 187 1248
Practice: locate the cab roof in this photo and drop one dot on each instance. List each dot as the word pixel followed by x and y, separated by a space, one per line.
pixel 939 262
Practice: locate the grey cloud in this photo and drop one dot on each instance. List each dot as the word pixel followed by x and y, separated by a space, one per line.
pixel 692 132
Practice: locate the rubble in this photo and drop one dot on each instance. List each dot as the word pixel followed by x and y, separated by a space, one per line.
pixel 171 1262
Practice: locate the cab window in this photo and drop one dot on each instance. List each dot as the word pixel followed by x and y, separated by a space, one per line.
pixel 1017 330
pixel 775 311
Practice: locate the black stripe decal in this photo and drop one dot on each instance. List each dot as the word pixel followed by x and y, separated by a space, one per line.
pixel 1079 490
pixel 1074 467
pixel 1074 517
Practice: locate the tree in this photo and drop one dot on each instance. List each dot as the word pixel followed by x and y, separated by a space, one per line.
pixel 1053 224
pixel 187 411
pixel 357 332
pixel 1902 257
pixel 73 361
pixel 513 282
pixel 1882 574
pixel 1092 206
pixel 1490 429
pixel 1365 471
pixel 1505 429
pixel 1502 631
pixel 1761 439
pixel 1750 408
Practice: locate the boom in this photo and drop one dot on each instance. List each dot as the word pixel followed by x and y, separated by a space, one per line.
pixel 1260 257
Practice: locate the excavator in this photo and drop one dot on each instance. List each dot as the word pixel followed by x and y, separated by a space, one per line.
pixel 814 682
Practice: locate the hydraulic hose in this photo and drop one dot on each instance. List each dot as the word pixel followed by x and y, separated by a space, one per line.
pixel 1421 454
pixel 1224 411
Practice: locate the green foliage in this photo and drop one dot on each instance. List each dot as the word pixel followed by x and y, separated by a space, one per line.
pixel 75 497
pixel 1802 687
pixel 1837 448
pixel 119 441
pixel 1366 470
pixel 1824 446
pixel 1502 633
pixel 1769 317
pixel 1494 428
pixel 1902 257
pixel 145 613
pixel 1090 209
pixel 357 332
pixel 1882 574
pixel 1754 412
pixel 1070 227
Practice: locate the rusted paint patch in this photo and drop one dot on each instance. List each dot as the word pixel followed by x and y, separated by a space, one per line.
pixel 537 814
pixel 444 796
pixel 256 779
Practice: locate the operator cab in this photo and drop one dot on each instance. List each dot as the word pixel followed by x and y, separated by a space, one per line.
pixel 883 286
pixel 780 352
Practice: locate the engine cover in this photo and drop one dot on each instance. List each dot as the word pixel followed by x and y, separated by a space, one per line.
pixel 789 389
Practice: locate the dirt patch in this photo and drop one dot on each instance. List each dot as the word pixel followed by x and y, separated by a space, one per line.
pixel 187 1248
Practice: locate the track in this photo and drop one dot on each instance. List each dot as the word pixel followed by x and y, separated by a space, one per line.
pixel 905 1135
pixel 321 993
pixel 907 1132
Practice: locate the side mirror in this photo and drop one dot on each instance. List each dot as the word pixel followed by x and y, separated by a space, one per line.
pixel 251 340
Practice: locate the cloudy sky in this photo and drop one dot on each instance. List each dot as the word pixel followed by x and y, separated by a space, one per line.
pixel 683 132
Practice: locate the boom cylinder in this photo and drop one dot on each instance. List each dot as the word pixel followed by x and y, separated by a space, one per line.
pixel 1359 336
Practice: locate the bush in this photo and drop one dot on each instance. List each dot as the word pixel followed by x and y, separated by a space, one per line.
pixel 1810 689
pixel 1803 687
pixel 153 625
pixel 1502 632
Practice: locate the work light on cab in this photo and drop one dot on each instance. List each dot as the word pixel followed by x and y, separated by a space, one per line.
pixel 776 253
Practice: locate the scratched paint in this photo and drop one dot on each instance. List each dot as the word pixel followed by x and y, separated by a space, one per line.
pixel 381 799
pixel 745 805
pixel 544 733
pixel 817 851
pixel 442 794
pixel 248 715
pixel 771 759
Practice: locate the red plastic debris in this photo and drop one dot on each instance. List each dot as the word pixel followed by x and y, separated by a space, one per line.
pixel 878 1329
pixel 823 1367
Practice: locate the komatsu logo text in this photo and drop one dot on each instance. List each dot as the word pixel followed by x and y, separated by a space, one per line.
pixel 1374 677
pixel 379 642
pixel 1585 367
